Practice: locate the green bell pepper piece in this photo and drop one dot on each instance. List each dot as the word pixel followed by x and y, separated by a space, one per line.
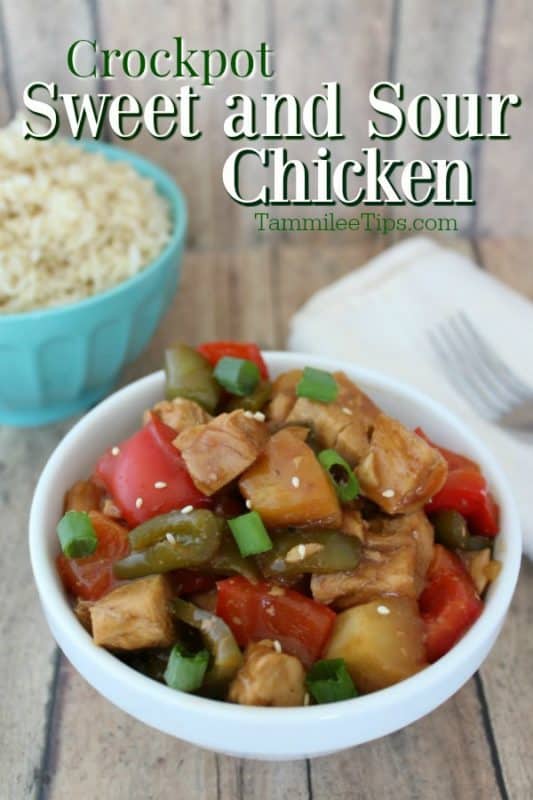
pixel 255 401
pixel 179 550
pixel 228 561
pixel 183 527
pixel 217 638
pixel 190 375
pixel 292 553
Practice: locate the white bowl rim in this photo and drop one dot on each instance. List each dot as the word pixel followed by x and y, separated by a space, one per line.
pixel 56 603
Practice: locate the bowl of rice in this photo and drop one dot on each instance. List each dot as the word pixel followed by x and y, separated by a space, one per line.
pixel 91 239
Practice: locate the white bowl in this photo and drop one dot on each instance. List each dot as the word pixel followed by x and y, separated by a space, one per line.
pixel 264 733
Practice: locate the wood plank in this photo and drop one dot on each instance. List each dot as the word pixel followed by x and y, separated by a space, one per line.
pixel 439 48
pixel 509 260
pixel 99 751
pixel 506 675
pixel 39 41
pixel 506 182
pixel 416 763
pixel 317 42
pixel 6 99
pixel 27 657
pixel 507 685
pixel 215 220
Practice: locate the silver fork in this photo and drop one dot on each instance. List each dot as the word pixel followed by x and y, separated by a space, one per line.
pixel 478 373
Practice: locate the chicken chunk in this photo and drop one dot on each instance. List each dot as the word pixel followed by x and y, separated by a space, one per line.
pixel 480 566
pixel 179 413
pixel 388 533
pixel 395 558
pixel 82 610
pixel 220 450
pixel 268 678
pixel 400 472
pixel 134 616
pixel 354 524
pixel 344 425
pixel 283 395
pixel 83 496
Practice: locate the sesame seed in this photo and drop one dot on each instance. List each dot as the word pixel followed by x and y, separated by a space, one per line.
pixel 388 493
pixel 187 509
pixel 347 411
pixel 270 610
pixel 259 416
pixel 383 610
pixel 170 538
pixel 295 480
pixel 160 485
pixel 115 451
pixel 277 646
pixel 307 699
pixel 139 502
pixel 301 550
pixel 249 504
pixel 249 414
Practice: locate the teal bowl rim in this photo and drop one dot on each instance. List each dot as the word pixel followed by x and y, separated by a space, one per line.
pixel 178 206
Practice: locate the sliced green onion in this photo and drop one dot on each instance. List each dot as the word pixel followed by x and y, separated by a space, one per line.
pixel 316 384
pixel 184 671
pixel 329 681
pixel 76 534
pixel 237 375
pixel 343 478
pixel 250 534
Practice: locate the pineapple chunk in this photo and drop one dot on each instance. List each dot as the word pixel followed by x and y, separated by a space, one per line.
pixel 134 616
pixel 381 642
pixel 287 485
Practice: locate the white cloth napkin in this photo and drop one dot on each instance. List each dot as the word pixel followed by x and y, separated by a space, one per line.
pixel 379 316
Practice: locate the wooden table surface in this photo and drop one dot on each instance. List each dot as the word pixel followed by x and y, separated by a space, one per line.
pixel 62 741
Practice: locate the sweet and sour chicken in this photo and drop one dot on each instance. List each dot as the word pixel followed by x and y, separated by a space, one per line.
pixel 275 542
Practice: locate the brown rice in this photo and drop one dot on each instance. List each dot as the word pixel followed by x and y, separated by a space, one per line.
pixel 72 223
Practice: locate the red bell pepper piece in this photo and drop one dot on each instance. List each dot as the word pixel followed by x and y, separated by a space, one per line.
pixel 449 604
pixel 92 576
pixel 465 491
pixel 148 476
pixel 256 611
pixel 214 351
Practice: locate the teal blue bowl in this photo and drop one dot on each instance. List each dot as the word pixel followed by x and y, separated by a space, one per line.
pixel 59 361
